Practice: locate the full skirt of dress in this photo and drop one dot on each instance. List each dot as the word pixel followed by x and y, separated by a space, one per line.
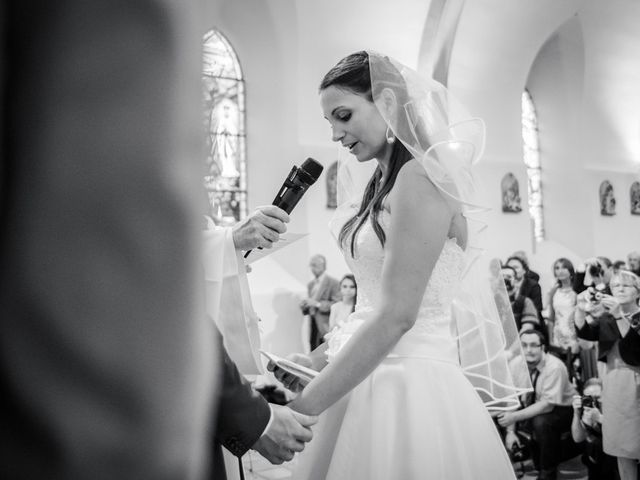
pixel 412 418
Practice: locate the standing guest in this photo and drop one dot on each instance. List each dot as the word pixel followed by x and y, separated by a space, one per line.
pixel 562 331
pixel 619 265
pixel 562 303
pixel 323 291
pixel 586 426
pixel 526 286
pixel 524 312
pixel 530 273
pixel 614 321
pixel 633 262
pixel 547 411
pixel 341 310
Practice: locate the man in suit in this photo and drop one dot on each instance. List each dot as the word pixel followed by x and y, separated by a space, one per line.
pixel 323 291
pixel 246 421
pixel 107 358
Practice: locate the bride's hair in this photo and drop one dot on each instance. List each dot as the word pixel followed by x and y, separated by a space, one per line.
pixel 352 73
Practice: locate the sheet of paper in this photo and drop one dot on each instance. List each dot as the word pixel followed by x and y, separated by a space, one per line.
pixel 285 240
pixel 293 368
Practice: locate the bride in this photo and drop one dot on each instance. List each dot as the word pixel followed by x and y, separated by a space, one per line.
pixel 393 388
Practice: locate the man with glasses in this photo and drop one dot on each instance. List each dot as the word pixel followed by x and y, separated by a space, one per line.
pixel 546 411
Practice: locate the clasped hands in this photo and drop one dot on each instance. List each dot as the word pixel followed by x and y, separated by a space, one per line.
pixel 289 430
pixel 287 434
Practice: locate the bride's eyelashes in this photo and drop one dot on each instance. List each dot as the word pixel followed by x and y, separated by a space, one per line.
pixel 343 116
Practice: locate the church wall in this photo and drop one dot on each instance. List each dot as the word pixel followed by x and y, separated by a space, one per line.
pixel 286 46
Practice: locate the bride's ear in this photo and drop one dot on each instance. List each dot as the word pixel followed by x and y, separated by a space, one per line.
pixel 388 104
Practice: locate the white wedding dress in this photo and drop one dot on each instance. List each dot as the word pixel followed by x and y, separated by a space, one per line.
pixel 416 416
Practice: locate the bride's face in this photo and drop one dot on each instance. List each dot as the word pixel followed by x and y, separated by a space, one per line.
pixel 355 123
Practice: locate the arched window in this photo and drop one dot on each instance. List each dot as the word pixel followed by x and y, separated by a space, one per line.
pixel 532 161
pixel 224 116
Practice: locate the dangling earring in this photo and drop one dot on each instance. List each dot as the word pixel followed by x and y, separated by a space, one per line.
pixel 389 136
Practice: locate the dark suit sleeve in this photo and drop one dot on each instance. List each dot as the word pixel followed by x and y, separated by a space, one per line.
pixel 243 413
pixel 630 344
pixel 334 296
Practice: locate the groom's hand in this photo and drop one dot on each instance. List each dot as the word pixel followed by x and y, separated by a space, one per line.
pixel 287 433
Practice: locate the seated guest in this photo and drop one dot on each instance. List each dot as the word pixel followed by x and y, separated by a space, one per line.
pixel 587 427
pixel 526 286
pixel 524 312
pixel 546 411
pixel 614 321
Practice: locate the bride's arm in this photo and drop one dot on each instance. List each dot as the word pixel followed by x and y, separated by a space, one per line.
pixel 420 221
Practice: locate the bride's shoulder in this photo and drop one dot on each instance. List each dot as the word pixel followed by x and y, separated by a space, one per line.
pixel 412 180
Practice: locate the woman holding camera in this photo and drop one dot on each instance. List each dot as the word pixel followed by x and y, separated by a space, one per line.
pixel 614 321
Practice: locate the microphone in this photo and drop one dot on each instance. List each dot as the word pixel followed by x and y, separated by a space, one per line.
pixel 295 185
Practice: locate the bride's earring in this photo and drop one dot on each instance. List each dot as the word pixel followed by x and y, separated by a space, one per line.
pixel 390 137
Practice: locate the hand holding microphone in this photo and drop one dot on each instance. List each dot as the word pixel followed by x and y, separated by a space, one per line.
pixel 260 229
pixel 290 193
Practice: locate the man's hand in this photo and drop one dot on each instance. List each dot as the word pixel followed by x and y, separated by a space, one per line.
pixel 260 229
pixel 506 419
pixel 577 404
pixel 591 416
pixel 287 434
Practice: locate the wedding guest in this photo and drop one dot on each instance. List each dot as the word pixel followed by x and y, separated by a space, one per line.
pixel 322 292
pixel 619 265
pixel 526 286
pixel 546 411
pixel 524 312
pixel 614 321
pixel 633 262
pixel 586 427
pixel 341 310
pixel 562 332
pixel 530 273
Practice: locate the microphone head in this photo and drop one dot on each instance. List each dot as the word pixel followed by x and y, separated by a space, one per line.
pixel 312 168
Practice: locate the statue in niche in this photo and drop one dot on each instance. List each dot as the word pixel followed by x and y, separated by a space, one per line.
pixel 607 199
pixel 634 196
pixel 227 137
pixel 332 185
pixel 510 194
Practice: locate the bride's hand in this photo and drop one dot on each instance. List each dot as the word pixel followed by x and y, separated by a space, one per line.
pixel 291 382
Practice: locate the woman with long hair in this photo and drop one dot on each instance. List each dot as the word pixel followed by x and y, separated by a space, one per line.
pixel 393 389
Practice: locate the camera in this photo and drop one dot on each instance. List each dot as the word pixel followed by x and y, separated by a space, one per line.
pixel 590 402
pixel 518 453
pixel 595 293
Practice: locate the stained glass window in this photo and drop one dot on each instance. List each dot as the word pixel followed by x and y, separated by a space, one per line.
pixel 532 161
pixel 226 174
